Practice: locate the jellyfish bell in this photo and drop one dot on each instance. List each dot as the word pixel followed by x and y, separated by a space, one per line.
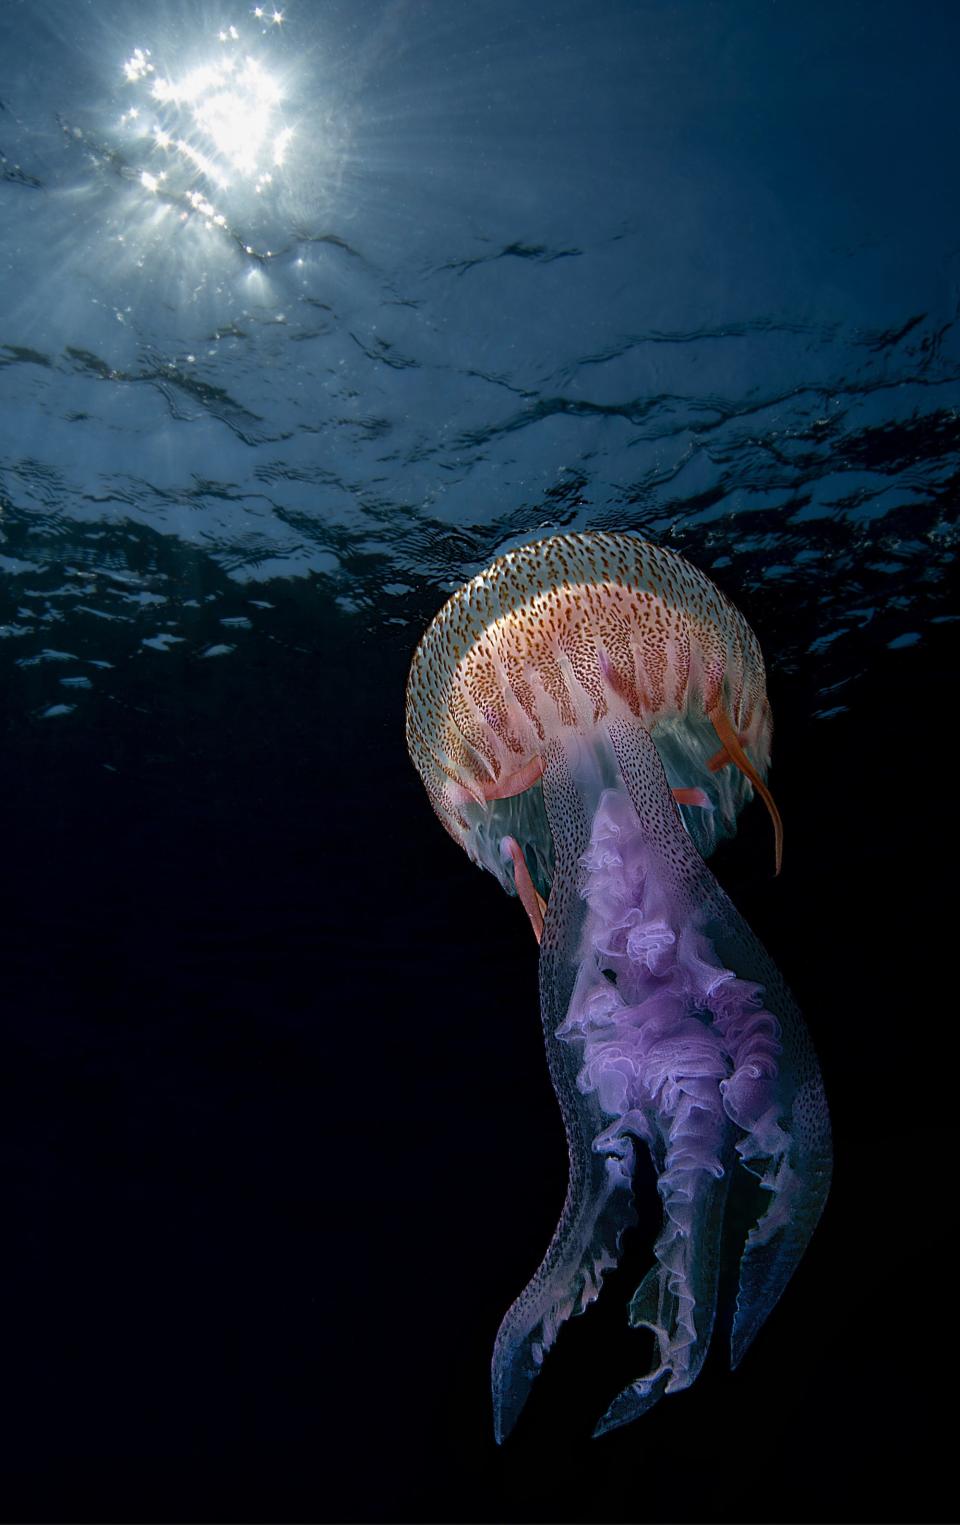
pixel 554 640
pixel 588 716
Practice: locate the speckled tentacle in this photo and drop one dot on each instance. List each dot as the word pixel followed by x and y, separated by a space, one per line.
pixel 599 1200
pixel 774 1111
pixel 667 1026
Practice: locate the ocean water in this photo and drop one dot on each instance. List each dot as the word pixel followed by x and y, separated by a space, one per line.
pixel 305 314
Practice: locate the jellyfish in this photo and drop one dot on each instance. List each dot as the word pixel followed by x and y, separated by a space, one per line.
pixel 588 716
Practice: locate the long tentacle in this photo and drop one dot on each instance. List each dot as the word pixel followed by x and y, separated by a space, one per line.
pixel 666 1024
pixel 774 1094
pixel 599 1200
pixel 736 754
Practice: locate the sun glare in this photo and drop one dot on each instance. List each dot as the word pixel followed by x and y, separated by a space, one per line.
pixel 216 127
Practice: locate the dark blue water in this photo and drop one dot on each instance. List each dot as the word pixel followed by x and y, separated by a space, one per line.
pixel 298 328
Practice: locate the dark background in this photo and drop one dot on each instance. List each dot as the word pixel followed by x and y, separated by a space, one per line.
pixel 281 1146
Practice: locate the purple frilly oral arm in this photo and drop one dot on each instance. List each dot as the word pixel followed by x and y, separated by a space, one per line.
pixel 658 1009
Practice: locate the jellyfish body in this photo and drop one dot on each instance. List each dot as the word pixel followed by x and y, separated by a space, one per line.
pixel 588 716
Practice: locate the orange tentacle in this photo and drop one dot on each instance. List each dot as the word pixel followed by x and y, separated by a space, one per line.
pixel 514 783
pixel 692 797
pixel 737 755
pixel 534 904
